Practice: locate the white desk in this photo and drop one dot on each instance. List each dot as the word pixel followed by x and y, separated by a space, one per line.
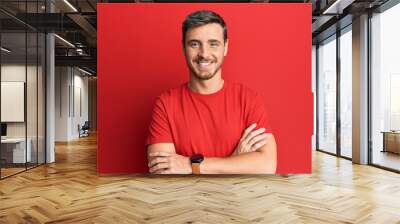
pixel 18 150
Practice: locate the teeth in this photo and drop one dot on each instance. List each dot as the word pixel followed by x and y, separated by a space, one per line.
pixel 204 63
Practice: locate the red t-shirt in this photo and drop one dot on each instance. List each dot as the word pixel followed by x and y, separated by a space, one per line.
pixel 210 124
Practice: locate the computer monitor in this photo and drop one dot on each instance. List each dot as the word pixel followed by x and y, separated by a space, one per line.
pixel 3 129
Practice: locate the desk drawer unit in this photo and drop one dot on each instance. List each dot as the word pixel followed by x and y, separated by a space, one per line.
pixel 13 151
pixel 391 142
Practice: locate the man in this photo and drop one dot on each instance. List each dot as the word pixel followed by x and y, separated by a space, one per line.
pixel 208 125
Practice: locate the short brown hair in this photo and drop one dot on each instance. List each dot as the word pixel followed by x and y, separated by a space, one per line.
pixel 200 18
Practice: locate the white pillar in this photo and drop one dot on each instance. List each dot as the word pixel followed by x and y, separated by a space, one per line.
pixel 360 89
pixel 50 91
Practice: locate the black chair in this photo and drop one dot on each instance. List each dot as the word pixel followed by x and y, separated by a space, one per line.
pixel 84 130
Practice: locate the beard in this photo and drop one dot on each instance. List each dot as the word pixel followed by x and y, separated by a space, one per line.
pixel 204 75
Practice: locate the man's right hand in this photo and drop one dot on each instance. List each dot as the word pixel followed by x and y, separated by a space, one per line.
pixel 251 140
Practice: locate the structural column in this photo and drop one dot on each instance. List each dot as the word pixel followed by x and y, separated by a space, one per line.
pixel 360 89
pixel 50 92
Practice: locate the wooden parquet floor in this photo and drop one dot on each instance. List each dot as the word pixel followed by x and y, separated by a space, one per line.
pixel 70 191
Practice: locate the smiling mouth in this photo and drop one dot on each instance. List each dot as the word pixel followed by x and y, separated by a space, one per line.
pixel 204 64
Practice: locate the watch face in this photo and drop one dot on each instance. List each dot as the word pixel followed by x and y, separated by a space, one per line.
pixel 197 158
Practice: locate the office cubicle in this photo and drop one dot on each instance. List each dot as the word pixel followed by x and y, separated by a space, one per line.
pixel 22 78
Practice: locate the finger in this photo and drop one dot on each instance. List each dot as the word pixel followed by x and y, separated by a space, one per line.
pixel 244 148
pixel 163 171
pixel 253 134
pixel 248 130
pixel 258 145
pixel 166 171
pixel 159 166
pixel 154 160
pixel 160 171
pixel 258 138
pixel 159 154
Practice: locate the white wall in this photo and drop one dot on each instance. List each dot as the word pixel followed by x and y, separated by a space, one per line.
pixel 71 93
pixel 62 78
pixel 16 73
pixel 12 101
pixel 13 72
pixel 79 117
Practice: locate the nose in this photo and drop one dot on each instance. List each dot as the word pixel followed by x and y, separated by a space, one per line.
pixel 204 52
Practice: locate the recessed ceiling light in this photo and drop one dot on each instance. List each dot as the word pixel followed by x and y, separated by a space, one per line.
pixel 5 50
pixel 65 41
pixel 84 71
pixel 338 6
pixel 70 5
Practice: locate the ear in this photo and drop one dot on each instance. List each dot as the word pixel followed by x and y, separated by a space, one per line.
pixel 226 47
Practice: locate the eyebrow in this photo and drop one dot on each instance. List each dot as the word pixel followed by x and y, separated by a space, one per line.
pixel 193 40
pixel 210 41
pixel 214 40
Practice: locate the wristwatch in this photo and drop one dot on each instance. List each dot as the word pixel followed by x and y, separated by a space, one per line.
pixel 196 160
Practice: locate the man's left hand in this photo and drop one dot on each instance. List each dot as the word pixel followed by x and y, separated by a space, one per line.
pixel 169 163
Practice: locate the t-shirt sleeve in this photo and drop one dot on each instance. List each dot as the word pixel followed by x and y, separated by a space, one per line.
pixel 257 113
pixel 159 129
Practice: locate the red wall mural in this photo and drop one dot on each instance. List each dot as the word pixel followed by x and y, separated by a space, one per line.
pixel 140 56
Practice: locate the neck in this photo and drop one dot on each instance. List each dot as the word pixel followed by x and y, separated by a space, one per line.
pixel 206 86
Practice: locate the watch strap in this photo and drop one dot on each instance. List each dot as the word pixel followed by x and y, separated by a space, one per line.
pixel 196 168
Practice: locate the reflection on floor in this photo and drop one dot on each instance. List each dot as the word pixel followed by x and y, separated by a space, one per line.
pixel 387 159
pixel 346 152
pixel 10 169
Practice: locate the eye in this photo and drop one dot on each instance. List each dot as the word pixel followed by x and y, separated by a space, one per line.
pixel 194 44
pixel 214 44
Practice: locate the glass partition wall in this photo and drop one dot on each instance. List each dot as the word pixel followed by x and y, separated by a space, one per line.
pixel 22 88
pixel 334 94
pixel 327 95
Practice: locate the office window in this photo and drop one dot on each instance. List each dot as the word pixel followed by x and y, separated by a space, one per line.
pixel 346 93
pixel 385 88
pixel 327 95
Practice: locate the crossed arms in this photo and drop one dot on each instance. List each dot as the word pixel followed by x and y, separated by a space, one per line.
pixel 255 154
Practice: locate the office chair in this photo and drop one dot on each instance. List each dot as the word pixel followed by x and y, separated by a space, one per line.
pixel 84 130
